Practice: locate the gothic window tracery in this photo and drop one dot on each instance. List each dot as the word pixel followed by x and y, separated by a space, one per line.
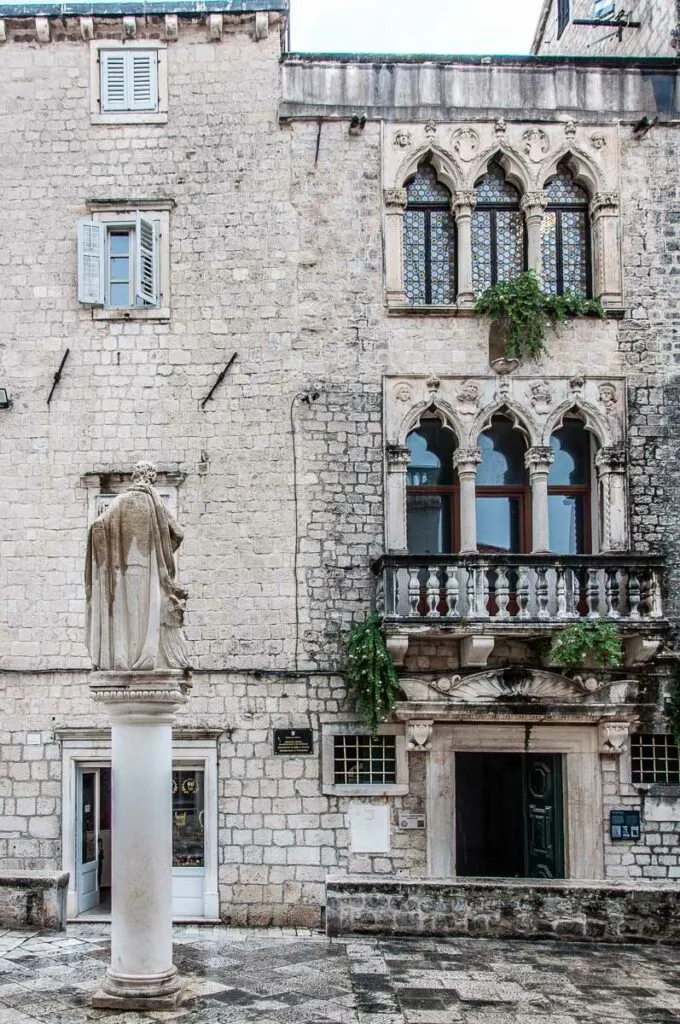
pixel 431 489
pixel 569 498
pixel 565 244
pixel 497 231
pixel 429 241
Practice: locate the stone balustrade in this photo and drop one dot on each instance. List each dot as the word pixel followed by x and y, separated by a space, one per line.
pixel 519 588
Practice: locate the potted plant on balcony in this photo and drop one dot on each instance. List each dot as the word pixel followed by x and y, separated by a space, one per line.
pixel 594 640
pixel 521 313
pixel 370 674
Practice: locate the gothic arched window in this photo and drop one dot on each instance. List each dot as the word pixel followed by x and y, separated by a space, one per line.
pixel 497 231
pixel 429 241
pixel 431 490
pixel 503 494
pixel 569 490
pixel 565 245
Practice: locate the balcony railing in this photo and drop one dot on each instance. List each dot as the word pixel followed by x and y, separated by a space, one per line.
pixel 519 588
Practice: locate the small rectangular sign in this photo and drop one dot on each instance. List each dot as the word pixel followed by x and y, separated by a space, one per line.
pixel 293 741
pixel 624 825
pixel 410 819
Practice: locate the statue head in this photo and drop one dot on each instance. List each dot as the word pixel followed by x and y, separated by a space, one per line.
pixel 144 473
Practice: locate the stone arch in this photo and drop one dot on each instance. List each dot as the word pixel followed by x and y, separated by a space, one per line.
pixel 441 409
pixel 585 172
pixel 515 169
pixel 521 420
pixel 593 420
pixel 444 167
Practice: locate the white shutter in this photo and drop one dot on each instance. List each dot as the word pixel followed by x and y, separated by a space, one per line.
pixel 146 241
pixel 91 239
pixel 144 80
pixel 114 73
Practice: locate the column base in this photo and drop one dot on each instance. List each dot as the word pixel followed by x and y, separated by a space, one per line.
pixel 140 991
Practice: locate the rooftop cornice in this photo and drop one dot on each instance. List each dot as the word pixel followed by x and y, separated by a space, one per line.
pixel 652 64
pixel 140 7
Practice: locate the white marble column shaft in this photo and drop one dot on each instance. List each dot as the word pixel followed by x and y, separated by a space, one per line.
pixel 398 457
pixel 534 204
pixel 466 461
pixel 538 461
pixel 463 205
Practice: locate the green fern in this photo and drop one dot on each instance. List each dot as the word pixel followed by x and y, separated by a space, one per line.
pixel 596 637
pixel 370 674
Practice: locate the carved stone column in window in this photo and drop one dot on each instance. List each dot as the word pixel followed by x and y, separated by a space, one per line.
pixel 604 219
pixel 538 461
pixel 533 205
pixel 611 471
pixel 462 205
pixel 398 457
pixel 466 461
pixel 395 205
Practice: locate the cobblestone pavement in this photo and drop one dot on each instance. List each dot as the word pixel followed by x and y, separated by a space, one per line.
pixel 281 976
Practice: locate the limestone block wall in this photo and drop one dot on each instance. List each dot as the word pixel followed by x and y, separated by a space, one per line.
pixel 656 36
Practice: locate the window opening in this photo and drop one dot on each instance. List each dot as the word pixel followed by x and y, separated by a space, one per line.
pixel 129 80
pixel 364 760
pixel 498 249
pixel 655 757
pixel 429 241
pixel 119 268
pixel 503 494
pixel 569 490
pixel 565 244
pixel 188 814
pixel 431 490
pixel 562 16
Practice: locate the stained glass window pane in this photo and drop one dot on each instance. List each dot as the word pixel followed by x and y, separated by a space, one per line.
pixel 509 244
pixel 414 256
pixel 424 188
pixel 494 189
pixel 563 190
pixel 442 257
pixel 549 251
pixel 481 251
pixel 574 250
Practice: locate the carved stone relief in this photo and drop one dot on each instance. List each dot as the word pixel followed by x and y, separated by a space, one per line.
pixel 465 142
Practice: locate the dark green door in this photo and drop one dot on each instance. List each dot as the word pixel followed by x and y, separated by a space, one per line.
pixel 509 817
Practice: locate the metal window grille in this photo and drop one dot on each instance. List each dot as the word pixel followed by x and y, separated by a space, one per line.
pixel 497 231
pixel 429 241
pixel 562 16
pixel 655 758
pixel 365 760
pixel 565 244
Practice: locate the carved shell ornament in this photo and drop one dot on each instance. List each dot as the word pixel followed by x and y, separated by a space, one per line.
pixel 513 684
pixel 465 142
pixel 535 144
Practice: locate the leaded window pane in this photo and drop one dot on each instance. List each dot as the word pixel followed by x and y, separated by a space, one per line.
pixel 494 189
pixel 481 251
pixel 497 232
pixel 424 188
pixel 510 244
pixel 563 190
pixel 415 255
pixel 549 251
pixel 429 242
pixel 442 253
pixel 574 250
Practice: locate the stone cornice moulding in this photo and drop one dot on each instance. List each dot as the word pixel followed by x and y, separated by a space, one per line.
pixel 502 688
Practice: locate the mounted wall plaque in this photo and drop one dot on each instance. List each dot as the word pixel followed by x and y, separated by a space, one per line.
pixel 624 825
pixel 293 741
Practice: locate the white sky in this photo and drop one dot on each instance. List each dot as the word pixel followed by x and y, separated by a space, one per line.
pixel 414 26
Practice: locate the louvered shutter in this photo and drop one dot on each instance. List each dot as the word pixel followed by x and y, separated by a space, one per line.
pixel 146 240
pixel 143 80
pixel 91 238
pixel 114 77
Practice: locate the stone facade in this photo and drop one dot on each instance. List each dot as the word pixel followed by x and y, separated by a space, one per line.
pixel 656 36
pixel 277 220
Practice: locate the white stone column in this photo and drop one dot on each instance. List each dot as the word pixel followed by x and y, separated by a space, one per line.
pixel 533 205
pixel 606 249
pixel 398 458
pixel 395 204
pixel 610 463
pixel 141 706
pixel 466 460
pixel 538 461
pixel 462 205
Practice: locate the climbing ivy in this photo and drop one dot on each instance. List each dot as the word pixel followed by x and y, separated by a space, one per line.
pixel 370 674
pixel 596 637
pixel 526 312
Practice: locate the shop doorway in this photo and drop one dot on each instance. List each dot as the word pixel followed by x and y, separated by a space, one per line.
pixel 93 839
pixel 509 815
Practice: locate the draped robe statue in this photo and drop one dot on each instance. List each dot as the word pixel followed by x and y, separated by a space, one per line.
pixel 135 609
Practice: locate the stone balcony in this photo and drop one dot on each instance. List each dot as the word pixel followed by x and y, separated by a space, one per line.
pixel 476 599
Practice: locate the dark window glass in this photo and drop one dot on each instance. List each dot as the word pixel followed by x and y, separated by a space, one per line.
pixel 569 490
pixel 497 231
pixel 502 454
pixel 188 809
pixel 562 16
pixel 431 495
pixel 571 446
pixel 502 494
pixel 429 241
pixel 364 760
pixel 565 245
pixel 655 757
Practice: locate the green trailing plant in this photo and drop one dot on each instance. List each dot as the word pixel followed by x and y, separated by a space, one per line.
pixel 370 674
pixel 526 312
pixel 598 638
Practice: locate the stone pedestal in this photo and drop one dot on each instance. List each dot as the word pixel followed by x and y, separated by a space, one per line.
pixel 141 706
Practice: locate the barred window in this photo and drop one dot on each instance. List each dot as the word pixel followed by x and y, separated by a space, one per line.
pixel 364 760
pixel 429 241
pixel 565 247
pixel 655 758
pixel 497 231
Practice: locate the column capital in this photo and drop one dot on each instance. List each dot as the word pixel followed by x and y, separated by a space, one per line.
pixel 604 202
pixel 395 199
pixel 464 202
pixel 141 697
pixel 611 459
pixel 467 459
pixel 534 203
pixel 539 459
pixel 398 458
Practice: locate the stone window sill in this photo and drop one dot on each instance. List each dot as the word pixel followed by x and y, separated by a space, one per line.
pixel 130 117
pixel 452 310
pixel 162 313
pixel 397 789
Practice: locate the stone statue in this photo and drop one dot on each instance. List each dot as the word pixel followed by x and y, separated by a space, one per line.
pixel 135 609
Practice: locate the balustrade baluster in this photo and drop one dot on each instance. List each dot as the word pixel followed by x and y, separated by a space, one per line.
pixel 380 596
pixel 523 593
pixel 471 590
pixel 542 592
pixel 612 591
pixel 502 593
pixel 451 591
pixel 657 610
pixel 634 595
pixel 432 591
pixel 561 592
pixel 483 591
pixel 593 594
pixel 413 591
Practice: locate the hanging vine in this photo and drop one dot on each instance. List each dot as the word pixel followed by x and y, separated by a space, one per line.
pixel 370 674
pixel 595 637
